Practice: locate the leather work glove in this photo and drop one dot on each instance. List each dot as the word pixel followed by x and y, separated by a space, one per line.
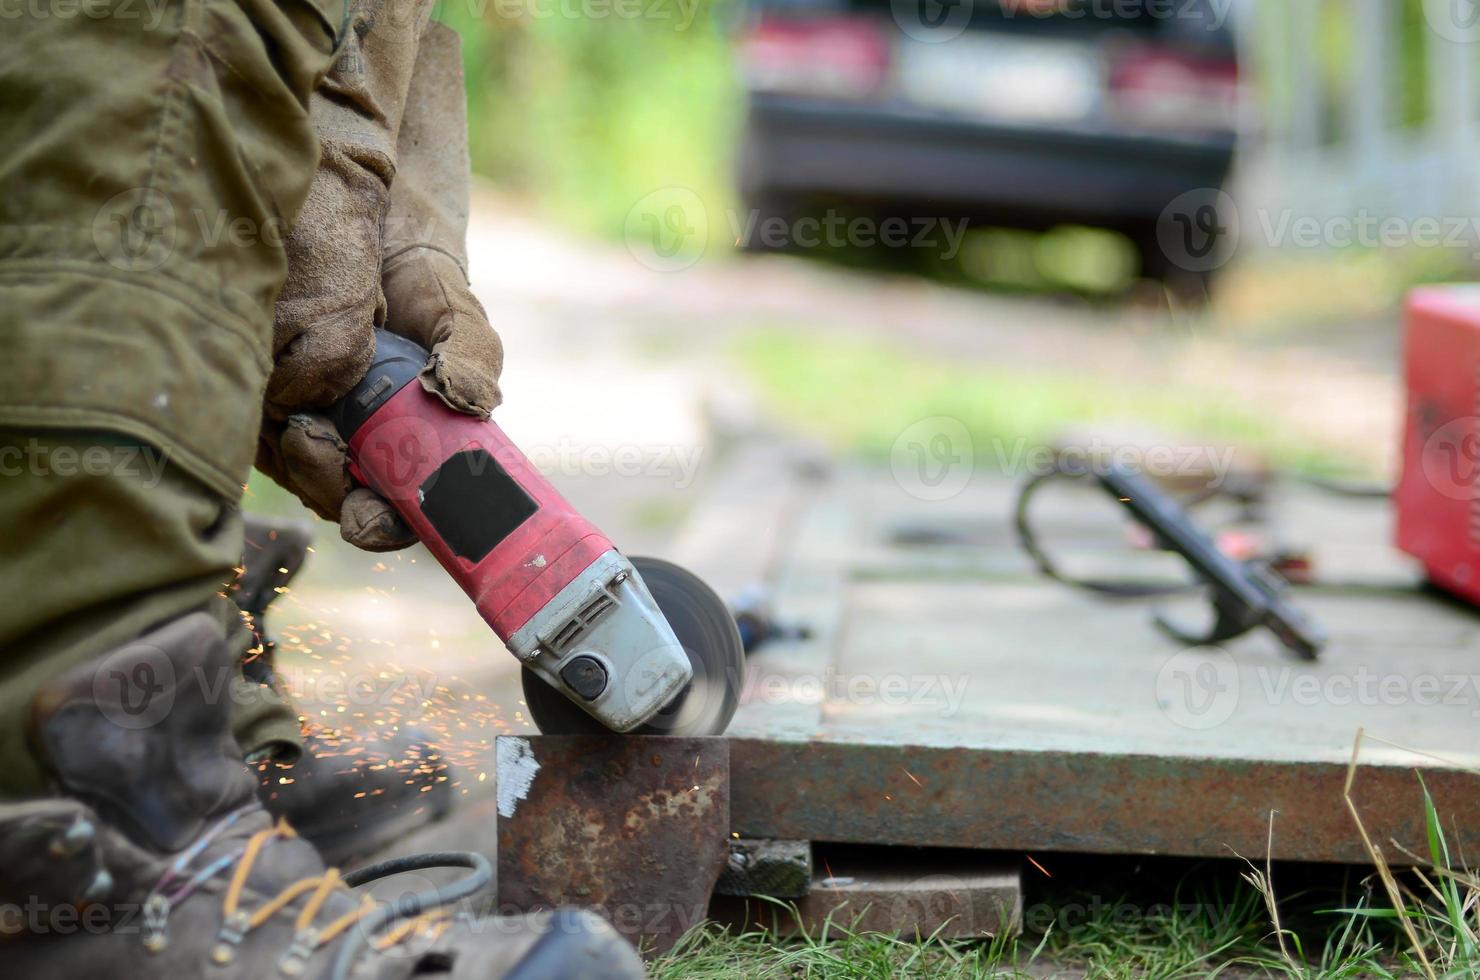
pixel 381 241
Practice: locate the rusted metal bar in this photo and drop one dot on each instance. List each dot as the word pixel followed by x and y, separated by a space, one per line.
pixel 635 828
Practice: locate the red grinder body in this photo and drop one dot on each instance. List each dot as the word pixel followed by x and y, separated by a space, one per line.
pixel 547 581
pixel 511 562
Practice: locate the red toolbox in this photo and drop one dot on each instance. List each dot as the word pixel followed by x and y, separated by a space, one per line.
pixel 1438 495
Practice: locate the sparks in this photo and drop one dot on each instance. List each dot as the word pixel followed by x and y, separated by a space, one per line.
pixel 1037 865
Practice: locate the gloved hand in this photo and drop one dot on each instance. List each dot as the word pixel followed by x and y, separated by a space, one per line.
pixel 381 241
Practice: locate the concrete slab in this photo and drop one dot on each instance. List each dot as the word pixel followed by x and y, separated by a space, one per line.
pixel 955 895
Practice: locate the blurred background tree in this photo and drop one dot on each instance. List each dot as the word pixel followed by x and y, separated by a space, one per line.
pixel 581 116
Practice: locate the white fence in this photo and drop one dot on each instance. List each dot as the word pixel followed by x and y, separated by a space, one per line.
pixel 1374 164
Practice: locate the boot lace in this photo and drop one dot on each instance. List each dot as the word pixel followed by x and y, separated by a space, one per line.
pixel 420 914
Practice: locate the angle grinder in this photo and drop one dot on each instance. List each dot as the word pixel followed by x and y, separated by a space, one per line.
pixel 607 643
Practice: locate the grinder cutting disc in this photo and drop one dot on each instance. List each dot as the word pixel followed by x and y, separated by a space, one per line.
pixel 706 630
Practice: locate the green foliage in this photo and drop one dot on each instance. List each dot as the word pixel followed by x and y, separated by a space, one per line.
pixel 1413 37
pixel 587 106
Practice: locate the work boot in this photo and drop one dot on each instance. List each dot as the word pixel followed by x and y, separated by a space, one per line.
pixel 273 550
pixel 158 859
pixel 353 806
pixel 348 806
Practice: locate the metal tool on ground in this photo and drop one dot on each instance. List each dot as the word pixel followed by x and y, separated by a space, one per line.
pixel 1244 595
pixel 621 645
pixel 758 623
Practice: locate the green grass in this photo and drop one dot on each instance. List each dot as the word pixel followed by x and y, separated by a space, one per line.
pixel 1192 936
pixel 1437 907
pixel 1182 942
pixel 859 395
pixel 715 954
pixel 1216 935
pixel 1208 921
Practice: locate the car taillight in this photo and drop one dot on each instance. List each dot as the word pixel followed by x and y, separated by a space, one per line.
pixel 1165 89
pixel 839 57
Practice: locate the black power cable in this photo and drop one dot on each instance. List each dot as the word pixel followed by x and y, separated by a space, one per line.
pixel 1120 589
pixel 414 904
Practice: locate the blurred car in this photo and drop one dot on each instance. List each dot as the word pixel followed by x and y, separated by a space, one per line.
pixel 1014 113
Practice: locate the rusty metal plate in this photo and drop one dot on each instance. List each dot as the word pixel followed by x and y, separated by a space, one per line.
pixel 635 828
pixel 950 698
pixel 1081 800
pixel 1025 716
